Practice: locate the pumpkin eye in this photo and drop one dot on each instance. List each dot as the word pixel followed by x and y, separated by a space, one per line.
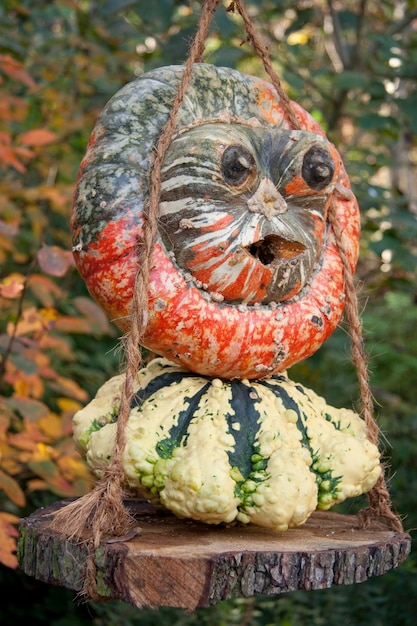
pixel 236 165
pixel 318 168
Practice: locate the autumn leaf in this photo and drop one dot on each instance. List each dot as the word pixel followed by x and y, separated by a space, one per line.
pixel 15 70
pixel 54 261
pixel 33 320
pixel 11 156
pixel 28 385
pixel 31 439
pixel 77 472
pixel 32 410
pixel 68 408
pixel 10 461
pixel 60 196
pixel 45 290
pixel 60 345
pixel 11 287
pixel 13 109
pixel 9 228
pixel 68 324
pixel 48 470
pixel 51 425
pixel 69 388
pixel 12 489
pixel 37 137
pixel 67 405
pixel 4 420
pixel 35 484
pixel 8 535
pixel 94 314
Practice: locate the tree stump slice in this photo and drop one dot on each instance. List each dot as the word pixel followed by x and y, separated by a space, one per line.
pixel 187 564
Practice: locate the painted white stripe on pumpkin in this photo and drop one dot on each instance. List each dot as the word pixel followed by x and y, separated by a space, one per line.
pixel 167 167
pixel 176 206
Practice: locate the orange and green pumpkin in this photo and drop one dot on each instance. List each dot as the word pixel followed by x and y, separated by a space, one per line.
pixel 246 275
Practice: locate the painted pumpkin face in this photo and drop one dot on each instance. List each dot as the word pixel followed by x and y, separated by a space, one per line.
pixel 246 276
pixel 244 209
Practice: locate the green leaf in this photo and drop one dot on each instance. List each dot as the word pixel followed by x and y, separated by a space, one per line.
pixel 30 409
pixel 374 121
pixel 408 105
pixel 158 14
pixel 350 80
pixel 110 7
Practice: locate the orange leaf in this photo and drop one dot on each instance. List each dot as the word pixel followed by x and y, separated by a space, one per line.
pixel 60 345
pixel 31 439
pixel 49 472
pixel 59 196
pixel 15 70
pixel 45 289
pixel 12 489
pixel 67 324
pixel 69 388
pixel 38 137
pixel 10 461
pixel 8 534
pixel 13 109
pixel 73 468
pixel 54 261
pixel 8 157
pixel 33 320
pixel 11 287
pixel 36 485
pixel 68 408
pixel 51 425
pixel 30 385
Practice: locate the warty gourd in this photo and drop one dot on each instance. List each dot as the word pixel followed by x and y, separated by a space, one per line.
pixel 267 452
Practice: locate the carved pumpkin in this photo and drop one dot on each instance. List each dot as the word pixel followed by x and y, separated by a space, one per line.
pixel 246 276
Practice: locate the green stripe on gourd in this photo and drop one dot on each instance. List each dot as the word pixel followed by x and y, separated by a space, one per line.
pixel 268 452
pixel 327 483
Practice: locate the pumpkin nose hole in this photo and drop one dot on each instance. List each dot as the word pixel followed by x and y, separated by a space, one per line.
pixel 273 249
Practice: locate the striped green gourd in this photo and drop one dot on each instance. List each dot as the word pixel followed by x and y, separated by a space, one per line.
pixel 268 452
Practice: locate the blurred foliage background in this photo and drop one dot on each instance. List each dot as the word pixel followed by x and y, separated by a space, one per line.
pixel 353 65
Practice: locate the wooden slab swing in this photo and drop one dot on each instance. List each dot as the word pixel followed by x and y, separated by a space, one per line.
pixel 106 545
pixel 186 564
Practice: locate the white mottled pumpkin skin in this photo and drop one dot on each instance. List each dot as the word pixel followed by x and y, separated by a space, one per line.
pixel 246 276
pixel 267 452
